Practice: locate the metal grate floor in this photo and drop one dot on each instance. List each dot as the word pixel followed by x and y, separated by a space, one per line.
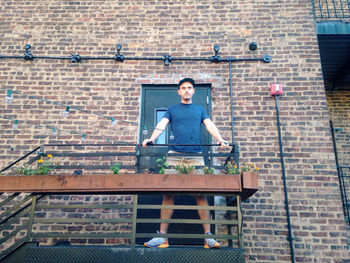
pixel 99 254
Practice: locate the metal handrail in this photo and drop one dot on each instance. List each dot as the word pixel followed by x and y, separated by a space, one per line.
pixel 12 214
pixel 138 153
pixel 331 9
pixel 345 190
pixel 20 159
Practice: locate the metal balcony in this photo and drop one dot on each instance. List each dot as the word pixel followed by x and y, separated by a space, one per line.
pixel 331 9
pixel 25 204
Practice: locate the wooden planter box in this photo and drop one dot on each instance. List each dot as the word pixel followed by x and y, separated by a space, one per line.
pixel 250 184
pixel 250 180
pixel 123 183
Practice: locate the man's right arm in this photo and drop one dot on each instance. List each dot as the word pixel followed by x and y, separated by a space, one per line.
pixel 157 131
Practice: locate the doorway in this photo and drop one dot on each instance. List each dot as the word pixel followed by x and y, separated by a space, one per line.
pixel 155 101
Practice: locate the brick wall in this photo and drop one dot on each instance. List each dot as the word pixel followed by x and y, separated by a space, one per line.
pixel 283 29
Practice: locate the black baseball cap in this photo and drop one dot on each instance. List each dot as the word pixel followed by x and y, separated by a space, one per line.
pixel 186 80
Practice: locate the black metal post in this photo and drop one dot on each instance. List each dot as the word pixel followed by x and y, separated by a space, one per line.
pixel 235 146
pixel 290 234
pixel 231 104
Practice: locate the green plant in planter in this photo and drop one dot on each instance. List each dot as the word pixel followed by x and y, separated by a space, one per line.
pixel 183 168
pixel 208 170
pixel 246 167
pixel 161 164
pixel 115 168
pixel 232 168
pixel 25 170
pixel 45 166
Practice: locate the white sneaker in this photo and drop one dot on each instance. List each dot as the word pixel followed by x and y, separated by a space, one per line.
pixel 159 242
pixel 211 242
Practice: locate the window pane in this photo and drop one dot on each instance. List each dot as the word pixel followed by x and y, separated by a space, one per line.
pixel 162 138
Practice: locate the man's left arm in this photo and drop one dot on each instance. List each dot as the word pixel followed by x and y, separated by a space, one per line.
pixel 211 128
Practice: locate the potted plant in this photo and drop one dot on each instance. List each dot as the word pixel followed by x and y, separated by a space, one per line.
pixel 248 173
pixel 44 166
pixel 232 168
pixel 161 165
pixel 184 168
pixel 115 168
pixel 208 170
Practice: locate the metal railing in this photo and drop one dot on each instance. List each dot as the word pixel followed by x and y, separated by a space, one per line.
pixel 134 159
pixel 344 172
pixel 11 220
pixel 331 9
pixel 23 216
pixel 31 209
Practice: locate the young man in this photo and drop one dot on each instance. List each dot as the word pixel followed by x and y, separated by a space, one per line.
pixel 185 119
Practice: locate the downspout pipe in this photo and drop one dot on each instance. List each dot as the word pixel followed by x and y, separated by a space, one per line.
pixel 290 234
pixel 235 147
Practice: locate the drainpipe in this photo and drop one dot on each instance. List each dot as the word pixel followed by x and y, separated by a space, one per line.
pixel 235 147
pixel 290 234
pixel 231 104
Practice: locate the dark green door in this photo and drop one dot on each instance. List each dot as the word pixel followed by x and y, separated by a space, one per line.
pixel 155 101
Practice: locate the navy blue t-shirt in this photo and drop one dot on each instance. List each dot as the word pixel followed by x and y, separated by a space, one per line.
pixel 185 121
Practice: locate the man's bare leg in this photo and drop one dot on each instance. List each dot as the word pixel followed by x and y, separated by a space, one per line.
pixel 166 213
pixel 203 214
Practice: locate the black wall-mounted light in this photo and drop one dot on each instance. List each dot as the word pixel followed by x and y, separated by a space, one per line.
pixel 216 58
pixel 167 59
pixel 253 46
pixel 119 57
pixel 216 49
pixel 27 54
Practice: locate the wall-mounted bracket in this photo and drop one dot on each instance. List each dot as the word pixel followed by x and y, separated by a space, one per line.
pixel 266 58
pixel 216 58
pixel 75 58
pixel 167 59
pixel 27 55
pixel 118 56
